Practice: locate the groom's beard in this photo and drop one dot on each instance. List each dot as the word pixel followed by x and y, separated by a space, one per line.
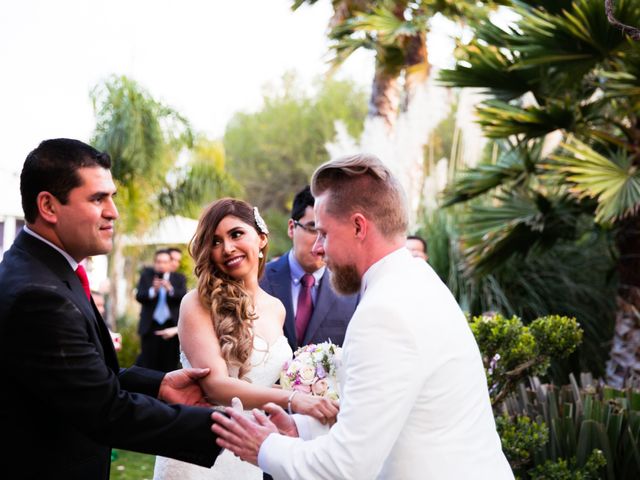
pixel 345 279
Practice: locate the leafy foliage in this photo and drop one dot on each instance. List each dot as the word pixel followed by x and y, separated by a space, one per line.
pixel 572 278
pixel 555 432
pixel 593 430
pixel 556 70
pixel 511 350
pixel 520 437
pixel 143 138
pixel 273 152
pixel 561 100
pixel 202 180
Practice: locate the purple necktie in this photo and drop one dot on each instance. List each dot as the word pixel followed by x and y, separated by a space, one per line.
pixel 84 280
pixel 305 305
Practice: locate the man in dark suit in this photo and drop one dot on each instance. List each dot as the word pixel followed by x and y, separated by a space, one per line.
pixel 329 312
pixel 65 402
pixel 160 291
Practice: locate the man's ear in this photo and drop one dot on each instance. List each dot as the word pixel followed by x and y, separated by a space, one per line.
pixel 48 206
pixel 290 227
pixel 360 225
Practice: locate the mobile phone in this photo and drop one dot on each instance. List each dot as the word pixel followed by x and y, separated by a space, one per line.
pixel 158 274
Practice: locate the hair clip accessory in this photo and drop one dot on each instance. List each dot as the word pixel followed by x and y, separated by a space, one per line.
pixel 262 226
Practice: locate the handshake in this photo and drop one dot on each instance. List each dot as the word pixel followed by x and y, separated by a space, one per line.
pixel 243 435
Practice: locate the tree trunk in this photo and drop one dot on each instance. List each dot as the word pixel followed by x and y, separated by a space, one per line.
pixel 115 272
pixel 417 67
pixel 385 96
pixel 624 363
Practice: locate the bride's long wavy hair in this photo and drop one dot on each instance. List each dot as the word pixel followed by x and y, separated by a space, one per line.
pixel 227 300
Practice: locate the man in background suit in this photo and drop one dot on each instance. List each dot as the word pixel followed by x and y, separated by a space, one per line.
pixel 160 291
pixel 176 258
pixel 418 247
pixel 65 401
pixel 330 313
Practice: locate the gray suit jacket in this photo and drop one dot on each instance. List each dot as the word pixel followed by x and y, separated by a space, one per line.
pixel 331 313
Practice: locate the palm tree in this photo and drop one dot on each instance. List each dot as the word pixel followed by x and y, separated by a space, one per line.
pixel 396 30
pixel 143 138
pixel 403 107
pixel 565 88
pixel 203 179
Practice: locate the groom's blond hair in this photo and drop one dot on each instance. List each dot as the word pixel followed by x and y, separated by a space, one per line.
pixel 363 183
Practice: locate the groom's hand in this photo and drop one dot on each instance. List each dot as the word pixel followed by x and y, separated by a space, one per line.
pixel 240 435
pixel 181 386
pixel 282 420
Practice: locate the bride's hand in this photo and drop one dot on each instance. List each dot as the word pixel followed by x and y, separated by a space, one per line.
pixel 321 408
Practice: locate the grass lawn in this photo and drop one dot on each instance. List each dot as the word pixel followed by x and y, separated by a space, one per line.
pixel 127 465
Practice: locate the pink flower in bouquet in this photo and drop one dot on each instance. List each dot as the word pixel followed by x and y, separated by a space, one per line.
pixel 303 388
pixel 320 387
pixel 313 369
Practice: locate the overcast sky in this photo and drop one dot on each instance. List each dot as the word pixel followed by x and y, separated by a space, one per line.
pixel 206 58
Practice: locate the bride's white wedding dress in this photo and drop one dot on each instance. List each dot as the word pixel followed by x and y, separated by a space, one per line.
pixel 266 363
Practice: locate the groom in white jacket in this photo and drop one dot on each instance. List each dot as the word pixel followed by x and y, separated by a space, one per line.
pixel 414 402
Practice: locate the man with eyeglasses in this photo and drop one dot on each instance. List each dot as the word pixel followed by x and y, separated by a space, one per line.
pixel 300 279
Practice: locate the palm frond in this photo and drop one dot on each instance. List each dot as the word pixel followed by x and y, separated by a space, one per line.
pixel 581 34
pixel 512 169
pixel 488 68
pixel 614 182
pixel 500 119
pixel 515 222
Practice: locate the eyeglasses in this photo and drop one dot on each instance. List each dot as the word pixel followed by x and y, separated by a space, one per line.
pixel 307 228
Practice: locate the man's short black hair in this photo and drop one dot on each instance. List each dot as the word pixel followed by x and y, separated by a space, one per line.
pixel 301 201
pixel 52 167
pixel 420 239
pixel 162 251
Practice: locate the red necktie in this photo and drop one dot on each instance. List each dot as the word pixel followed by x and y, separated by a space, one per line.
pixel 84 280
pixel 305 305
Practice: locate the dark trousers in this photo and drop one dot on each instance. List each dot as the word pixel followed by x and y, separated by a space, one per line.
pixel 158 353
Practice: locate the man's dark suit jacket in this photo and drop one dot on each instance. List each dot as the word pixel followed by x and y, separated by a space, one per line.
pixel 179 284
pixel 331 313
pixel 64 400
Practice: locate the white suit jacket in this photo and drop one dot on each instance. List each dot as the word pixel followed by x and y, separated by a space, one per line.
pixel 414 401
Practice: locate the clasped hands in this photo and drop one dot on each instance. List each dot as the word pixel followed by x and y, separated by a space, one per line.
pixel 236 432
pixel 244 436
pixel 161 282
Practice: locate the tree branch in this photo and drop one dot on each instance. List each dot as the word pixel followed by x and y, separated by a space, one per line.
pixel 633 32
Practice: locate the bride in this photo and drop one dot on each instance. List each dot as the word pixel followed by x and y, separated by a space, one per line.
pixel 232 326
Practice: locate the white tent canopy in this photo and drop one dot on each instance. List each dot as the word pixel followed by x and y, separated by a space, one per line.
pixel 10 203
pixel 174 230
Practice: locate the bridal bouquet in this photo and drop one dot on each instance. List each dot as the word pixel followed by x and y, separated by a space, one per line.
pixel 313 369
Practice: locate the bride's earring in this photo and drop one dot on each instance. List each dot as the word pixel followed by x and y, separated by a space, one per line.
pixel 260 254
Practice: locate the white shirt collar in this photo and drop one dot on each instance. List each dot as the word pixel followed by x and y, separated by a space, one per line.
pixel 71 261
pixel 372 271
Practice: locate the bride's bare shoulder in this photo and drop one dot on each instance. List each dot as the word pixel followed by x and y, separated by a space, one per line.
pixel 274 305
pixel 191 304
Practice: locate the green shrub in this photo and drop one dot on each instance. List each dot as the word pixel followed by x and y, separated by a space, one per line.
pixel 130 342
pixel 580 420
pixel 511 351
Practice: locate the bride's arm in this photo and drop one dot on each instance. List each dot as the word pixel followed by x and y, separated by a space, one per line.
pixel 200 344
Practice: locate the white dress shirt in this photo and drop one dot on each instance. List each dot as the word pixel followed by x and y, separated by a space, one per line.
pixel 414 400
